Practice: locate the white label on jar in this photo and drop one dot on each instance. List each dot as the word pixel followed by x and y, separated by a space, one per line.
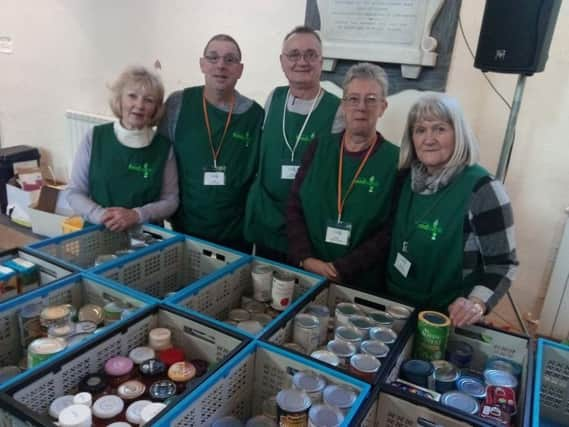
pixel 262 283
pixel 282 293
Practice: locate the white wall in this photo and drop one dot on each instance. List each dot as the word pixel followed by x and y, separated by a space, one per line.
pixel 66 51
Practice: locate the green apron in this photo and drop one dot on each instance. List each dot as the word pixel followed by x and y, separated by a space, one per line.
pixel 433 227
pixel 124 176
pixel 214 212
pixel 266 204
pixel 366 208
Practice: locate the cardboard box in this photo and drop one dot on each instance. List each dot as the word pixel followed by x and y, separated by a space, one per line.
pixel 18 201
pixel 49 212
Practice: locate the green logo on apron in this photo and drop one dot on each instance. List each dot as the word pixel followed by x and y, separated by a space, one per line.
pixel 308 138
pixel 370 182
pixel 242 136
pixel 433 228
pixel 144 169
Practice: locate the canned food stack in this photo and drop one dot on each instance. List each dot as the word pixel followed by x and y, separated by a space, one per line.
pixel 138 239
pixel 18 276
pixel 354 339
pixel 130 389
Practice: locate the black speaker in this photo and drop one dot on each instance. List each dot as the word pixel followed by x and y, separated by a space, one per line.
pixel 515 35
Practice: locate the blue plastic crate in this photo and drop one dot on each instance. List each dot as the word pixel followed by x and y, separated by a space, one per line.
pixel 80 249
pixel 31 397
pixel 259 372
pixel 165 268
pixel 215 296
pixel 551 387
pixel 77 290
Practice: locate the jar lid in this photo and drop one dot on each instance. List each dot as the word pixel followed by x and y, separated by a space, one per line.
pixel 292 400
pixel 83 398
pixel 381 317
pixel 326 357
pixel 365 363
pixel 341 348
pixel 150 411
pixel 131 390
pixel 308 381
pixel 325 415
pixel 93 383
pixel 59 404
pixel 160 338
pixel 347 308
pixel 118 366
pixel 348 333
pixel 55 312
pixel 500 378
pixel 162 390
pixel 383 334
pixel 251 326
pixel 141 354
pixel 340 396
pixel 171 356
pixel 417 367
pixel 318 310
pixel 75 416
pixel 182 371
pixel 376 348
pixel 134 409
pixel 471 386
pixel 91 312
pixel 306 321
pixel 399 312
pixel 152 367
pixel 239 315
pixel 108 406
pixel 360 322
pixel 460 401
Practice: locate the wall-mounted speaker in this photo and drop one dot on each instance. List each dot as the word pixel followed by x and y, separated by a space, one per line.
pixel 515 35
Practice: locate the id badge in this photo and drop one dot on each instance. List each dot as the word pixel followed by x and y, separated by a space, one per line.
pixel 402 264
pixel 289 171
pixel 214 176
pixel 338 233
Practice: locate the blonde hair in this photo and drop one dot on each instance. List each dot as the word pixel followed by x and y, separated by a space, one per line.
pixel 445 108
pixel 137 76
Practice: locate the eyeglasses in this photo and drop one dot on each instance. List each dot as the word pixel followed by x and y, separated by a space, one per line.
pixel 370 101
pixel 308 56
pixel 229 59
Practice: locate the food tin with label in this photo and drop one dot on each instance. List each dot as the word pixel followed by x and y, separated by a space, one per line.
pixel 311 383
pixel 385 335
pixel 495 414
pixel 343 312
pixel 326 357
pixel 341 397
pixel 445 377
pixel 462 402
pixel 504 397
pixel 364 366
pixel 324 416
pixel 348 334
pixel 306 331
pixel 343 350
pixel 416 371
pixel 112 312
pixel 30 325
pixel 54 315
pixel 376 348
pixel 282 291
pixel 362 324
pixel 322 312
pixel 41 349
pixel 472 386
pixel 292 408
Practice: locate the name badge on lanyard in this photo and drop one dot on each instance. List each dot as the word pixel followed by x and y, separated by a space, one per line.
pixel 214 176
pixel 289 171
pixel 402 264
pixel 338 233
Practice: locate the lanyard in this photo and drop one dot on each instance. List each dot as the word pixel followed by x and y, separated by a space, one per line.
pixel 293 149
pixel 342 201
pixel 215 153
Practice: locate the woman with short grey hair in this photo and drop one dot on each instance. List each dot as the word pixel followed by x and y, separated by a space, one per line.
pixel 452 246
pixel 123 173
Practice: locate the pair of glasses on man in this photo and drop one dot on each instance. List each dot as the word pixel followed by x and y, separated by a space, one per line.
pixel 228 59
pixel 355 100
pixel 308 55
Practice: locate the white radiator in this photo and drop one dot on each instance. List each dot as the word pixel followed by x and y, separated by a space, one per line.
pixel 77 124
pixel 554 320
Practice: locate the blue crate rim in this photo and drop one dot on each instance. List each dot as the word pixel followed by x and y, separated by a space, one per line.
pixel 216 245
pixel 19 250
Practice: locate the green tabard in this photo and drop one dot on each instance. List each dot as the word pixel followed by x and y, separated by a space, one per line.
pixel 266 204
pixel 366 208
pixel 433 227
pixel 214 212
pixel 123 176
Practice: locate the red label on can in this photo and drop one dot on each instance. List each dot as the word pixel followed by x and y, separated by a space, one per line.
pixel 504 397
pixel 496 414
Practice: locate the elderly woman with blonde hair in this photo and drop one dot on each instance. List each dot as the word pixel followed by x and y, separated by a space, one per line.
pixel 452 246
pixel 124 173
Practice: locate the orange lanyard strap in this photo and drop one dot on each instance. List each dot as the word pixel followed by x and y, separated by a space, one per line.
pixel 342 201
pixel 214 152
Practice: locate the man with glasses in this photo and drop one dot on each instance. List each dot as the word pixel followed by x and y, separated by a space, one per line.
pixel 216 133
pixel 295 115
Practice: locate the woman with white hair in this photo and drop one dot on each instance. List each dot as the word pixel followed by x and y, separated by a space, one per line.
pixel 452 244
pixel 123 173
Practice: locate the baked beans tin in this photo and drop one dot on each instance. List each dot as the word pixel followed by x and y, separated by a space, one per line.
pixel 292 408
pixel 306 331
pixel 311 383
pixel 504 397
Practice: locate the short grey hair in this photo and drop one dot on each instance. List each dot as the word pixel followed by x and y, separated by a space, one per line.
pixel 303 29
pixel 366 71
pixel 223 38
pixel 442 107
pixel 137 75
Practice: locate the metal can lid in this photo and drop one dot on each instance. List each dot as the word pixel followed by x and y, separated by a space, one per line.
pixel 91 312
pixel 162 390
pixel 503 364
pixel 471 386
pixel 383 334
pixel 306 321
pixel 118 366
pixel 446 373
pixel 239 315
pixel 323 415
pixel 75 415
pixel 341 348
pixel 308 381
pixel 500 378
pixel 152 367
pixel 381 317
pixel 131 390
pixel 365 363
pixel 460 401
pixel 318 310
pixel 360 322
pixel 326 357
pixel 45 346
pixel 108 406
pixel 150 411
pixel 134 409
pixel 59 404
pixel 376 348
pixel 141 354
pixel 293 400
pixel 417 367
pixel 55 312
pixel 399 312
pixel 347 308
pixel 348 333
pixel 339 396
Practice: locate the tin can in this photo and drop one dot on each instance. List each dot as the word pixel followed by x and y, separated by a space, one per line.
pixel 462 402
pixel 385 335
pixel 362 324
pixel 238 315
pixel 322 312
pixel 416 371
pixel 503 364
pixel 433 329
pixel 376 348
pixel 343 350
pixel 504 397
pixel 61 331
pixel 282 291
pixel 348 334
pixel 326 357
pixel 311 383
pixel 500 378
pixel 30 325
pixel 262 277
pixel 400 315
pixel 112 312
pixel 251 326
pixel 41 349
pixel 324 416
pixel 54 315
pixel 292 408
pixel 343 311
pixel 472 386
pixel 341 397
pixel 92 313
pixel 306 331
pixel 495 414
pixel 381 318
pixel 459 353
pixel 445 377
pixel 364 366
